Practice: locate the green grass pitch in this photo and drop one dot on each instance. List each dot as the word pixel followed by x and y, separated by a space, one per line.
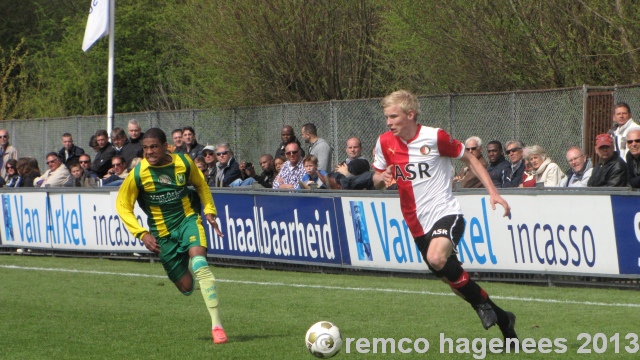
pixel 65 308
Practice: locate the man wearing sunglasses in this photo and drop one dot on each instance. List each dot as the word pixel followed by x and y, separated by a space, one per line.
pixel 7 151
pixel 466 177
pixel 228 169
pixel 85 163
pixel 57 175
pixel 118 172
pixel 293 170
pixel 512 175
pixel 633 158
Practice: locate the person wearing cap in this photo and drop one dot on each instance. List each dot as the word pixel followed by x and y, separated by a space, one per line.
pixel 209 155
pixel 622 124
pixel 611 170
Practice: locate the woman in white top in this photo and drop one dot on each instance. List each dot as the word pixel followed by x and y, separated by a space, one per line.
pixel 547 172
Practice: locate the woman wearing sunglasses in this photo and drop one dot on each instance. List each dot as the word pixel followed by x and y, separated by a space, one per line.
pixel 11 179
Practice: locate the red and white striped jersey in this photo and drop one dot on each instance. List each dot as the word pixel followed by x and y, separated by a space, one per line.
pixel 423 171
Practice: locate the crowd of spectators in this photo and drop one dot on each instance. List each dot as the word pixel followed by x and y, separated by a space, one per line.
pixel 291 167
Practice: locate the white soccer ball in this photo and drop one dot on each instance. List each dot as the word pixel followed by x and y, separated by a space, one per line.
pixel 323 339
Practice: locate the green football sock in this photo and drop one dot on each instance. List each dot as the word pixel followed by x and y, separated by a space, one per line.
pixel 208 287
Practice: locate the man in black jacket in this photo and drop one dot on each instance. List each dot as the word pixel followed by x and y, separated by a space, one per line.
pixel 633 158
pixel 228 169
pixel 265 179
pixel 123 146
pixel 512 175
pixel 190 145
pixel 69 152
pixel 287 136
pixel 611 170
pixel 497 162
pixel 102 160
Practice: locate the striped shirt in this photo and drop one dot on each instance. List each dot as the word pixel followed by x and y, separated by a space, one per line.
pixel 162 193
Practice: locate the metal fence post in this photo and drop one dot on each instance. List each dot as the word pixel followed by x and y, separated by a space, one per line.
pixel 333 112
pixel 512 114
pixel 585 92
pixel 451 115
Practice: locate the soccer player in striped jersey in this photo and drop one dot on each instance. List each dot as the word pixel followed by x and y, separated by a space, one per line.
pixel 159 185
pixel 418 158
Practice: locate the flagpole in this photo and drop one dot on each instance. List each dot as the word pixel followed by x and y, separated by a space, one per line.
pixel 112 22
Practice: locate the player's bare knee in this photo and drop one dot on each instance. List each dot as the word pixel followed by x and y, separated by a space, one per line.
pixel 185 285
pixel 436 261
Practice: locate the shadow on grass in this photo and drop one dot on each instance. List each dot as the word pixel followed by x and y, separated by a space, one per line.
pixel 245 338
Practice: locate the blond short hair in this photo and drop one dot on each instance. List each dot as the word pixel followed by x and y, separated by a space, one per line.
pixel 403 98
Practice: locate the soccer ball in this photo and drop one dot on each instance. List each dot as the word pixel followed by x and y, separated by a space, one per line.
pixel 323 339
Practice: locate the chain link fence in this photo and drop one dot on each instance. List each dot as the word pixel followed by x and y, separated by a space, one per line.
pixel 551 118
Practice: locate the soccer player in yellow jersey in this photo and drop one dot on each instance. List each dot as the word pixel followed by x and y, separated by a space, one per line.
pixel 159 185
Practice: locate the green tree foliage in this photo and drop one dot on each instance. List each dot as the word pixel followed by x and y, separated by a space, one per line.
pixel 266 51
pixel 493 45
pixel 12 80
pixel 63 80
pixel 203 54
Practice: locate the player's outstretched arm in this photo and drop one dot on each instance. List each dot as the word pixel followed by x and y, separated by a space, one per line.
pixel 483 175
pixel 381 178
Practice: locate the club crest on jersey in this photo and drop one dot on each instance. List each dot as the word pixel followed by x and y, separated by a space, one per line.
pixel 164 179
pixel 412 171
pixel 425 150
pixel 180 179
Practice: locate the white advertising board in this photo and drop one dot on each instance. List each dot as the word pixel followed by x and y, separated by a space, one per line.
pixel 555 234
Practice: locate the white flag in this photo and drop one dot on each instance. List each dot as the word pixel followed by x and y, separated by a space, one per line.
pixel 97 24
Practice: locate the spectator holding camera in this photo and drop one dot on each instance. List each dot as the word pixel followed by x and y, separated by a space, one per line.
pixel 265 179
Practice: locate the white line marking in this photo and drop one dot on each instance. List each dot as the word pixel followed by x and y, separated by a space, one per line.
pixel 398 291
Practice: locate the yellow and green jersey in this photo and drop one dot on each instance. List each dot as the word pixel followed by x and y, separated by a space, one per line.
pixel 162 193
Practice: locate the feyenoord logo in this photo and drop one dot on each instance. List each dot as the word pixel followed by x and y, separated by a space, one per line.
pixel 425 150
